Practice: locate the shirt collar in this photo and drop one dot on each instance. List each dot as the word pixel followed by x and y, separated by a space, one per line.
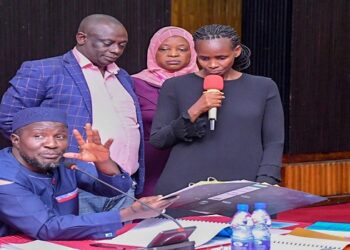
pixel 84 62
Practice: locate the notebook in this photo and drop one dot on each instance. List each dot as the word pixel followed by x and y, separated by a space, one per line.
pixel 143 233
pixel 291 242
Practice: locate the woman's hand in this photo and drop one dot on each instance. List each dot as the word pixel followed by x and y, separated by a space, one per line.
pixel 208 100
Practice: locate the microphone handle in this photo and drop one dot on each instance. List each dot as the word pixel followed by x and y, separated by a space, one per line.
pixel 212 124
pixel 131 197
pixel 212 113
pixel 212 118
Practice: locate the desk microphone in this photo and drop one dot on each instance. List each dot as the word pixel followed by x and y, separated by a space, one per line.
pixel 169 239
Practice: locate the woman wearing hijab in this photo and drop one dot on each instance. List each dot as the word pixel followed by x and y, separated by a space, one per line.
pixel 170 53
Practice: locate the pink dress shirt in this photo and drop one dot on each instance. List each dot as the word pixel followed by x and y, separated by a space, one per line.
pixel 113 113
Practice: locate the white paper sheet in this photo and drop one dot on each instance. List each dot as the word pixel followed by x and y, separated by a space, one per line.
pixel 142 234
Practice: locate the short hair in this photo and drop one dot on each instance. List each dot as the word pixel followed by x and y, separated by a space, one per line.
pixel 94 19
pixel 215 31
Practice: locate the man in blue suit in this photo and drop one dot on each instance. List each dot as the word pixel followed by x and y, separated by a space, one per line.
pixel 88 85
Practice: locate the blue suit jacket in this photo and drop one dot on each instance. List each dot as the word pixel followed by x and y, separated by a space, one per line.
pixel 59 82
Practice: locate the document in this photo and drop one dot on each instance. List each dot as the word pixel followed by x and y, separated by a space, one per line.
pixel 143 233
pixel 313 234
pixel 207 233
pixel 291 242
pixel 333 228
pixel 34 245
pixel 280 224
pixel 215 197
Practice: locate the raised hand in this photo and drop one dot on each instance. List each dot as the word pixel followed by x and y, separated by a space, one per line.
pixel 91 150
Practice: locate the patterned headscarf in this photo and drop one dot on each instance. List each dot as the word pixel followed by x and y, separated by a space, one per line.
pixel 156 75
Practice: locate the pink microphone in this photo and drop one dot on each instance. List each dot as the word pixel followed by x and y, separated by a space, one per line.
pixel 213 83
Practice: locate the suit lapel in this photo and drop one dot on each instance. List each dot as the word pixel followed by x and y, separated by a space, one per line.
pixel 72 66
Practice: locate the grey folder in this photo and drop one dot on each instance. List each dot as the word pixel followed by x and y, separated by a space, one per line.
pixel 221 197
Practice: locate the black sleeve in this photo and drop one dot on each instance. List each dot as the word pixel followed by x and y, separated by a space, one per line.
pixel 170 126
pixel 273 138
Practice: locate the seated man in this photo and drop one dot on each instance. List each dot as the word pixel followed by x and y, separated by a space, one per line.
pixel 39 195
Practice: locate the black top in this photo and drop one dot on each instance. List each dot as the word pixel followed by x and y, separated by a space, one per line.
pixel 247 142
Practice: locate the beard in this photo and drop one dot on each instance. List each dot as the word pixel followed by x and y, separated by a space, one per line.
pixel 35 163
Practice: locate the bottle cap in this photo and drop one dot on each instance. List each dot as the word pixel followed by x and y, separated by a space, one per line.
pixel 242 207
pixel 260 205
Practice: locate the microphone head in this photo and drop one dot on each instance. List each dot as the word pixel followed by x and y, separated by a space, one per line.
pixel 213 82
pixel 69 164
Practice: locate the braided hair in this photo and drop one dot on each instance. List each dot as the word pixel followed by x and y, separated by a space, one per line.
pixel 214 31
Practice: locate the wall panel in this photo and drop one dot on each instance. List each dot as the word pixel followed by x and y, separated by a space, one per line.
pixel 192 14
pixel 325 178
pixel 320 77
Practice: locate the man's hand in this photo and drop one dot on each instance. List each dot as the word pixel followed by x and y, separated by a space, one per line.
pixel 139 211
pixel 92 150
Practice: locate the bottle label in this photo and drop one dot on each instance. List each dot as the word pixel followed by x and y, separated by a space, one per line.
pixel 241 245
pixel 261 245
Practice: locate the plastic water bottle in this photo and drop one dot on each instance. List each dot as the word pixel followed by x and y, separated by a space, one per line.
pixel 261 228
pixel 242 237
